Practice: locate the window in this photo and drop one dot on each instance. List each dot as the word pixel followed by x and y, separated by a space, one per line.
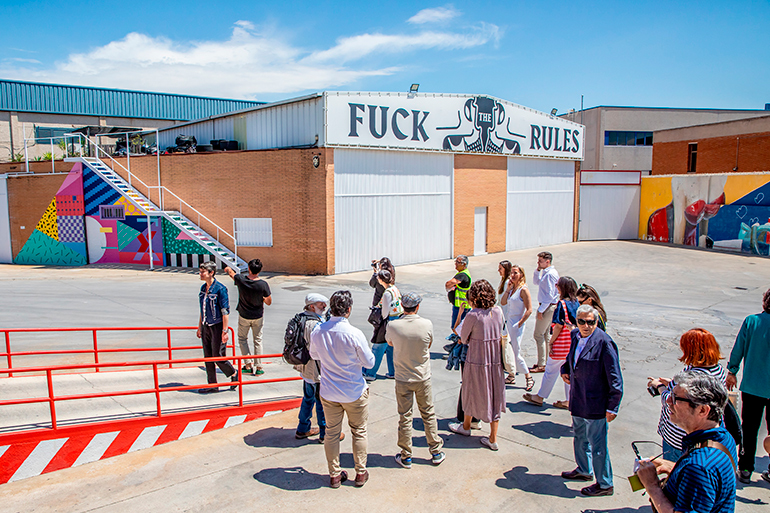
pixel 254 231
pixel 42 132
pixel 112 212
pixel 619 138
pixel 692 159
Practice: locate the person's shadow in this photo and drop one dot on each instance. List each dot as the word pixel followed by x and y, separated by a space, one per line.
pixel 292 478
pixel 519 478
pixel 281 438
pixel 545 429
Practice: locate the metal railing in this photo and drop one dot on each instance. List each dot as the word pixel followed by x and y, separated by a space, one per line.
pixel 96 350
pixel 53 153
pixel 51 370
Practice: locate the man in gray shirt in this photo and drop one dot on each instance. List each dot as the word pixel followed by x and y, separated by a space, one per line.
pixel 411 337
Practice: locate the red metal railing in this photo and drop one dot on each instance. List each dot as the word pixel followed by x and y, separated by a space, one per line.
pixel 51 399
pixel 156 390
pixel 96 351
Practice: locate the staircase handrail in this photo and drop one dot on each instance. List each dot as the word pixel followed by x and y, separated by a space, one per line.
pixel 200 215
pixel 163 188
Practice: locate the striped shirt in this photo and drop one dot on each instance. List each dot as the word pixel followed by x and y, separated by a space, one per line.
pixel 703 480
pixel 670 432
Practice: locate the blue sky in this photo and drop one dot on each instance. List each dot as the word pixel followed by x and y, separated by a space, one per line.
pixel 538 54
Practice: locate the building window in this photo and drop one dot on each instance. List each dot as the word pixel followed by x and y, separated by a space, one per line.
pixel 112 212
pixel 254 231
pixel 618 138
pixel 692 158
pixel 45 132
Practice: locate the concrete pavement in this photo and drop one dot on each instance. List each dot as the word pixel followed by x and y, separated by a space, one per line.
pixel 652 294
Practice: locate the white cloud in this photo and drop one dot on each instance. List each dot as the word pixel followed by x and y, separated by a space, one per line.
pixel 246 65
pixel 435 15
pixel 19 59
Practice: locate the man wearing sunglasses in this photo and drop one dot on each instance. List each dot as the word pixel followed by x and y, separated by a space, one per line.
pixel 592 370
pixel 703 479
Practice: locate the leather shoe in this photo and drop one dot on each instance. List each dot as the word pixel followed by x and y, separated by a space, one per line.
pixel 576 475
pixel 597 491
pixel 362 478
pixel 537 368
pixel 338 480
pixel 313 431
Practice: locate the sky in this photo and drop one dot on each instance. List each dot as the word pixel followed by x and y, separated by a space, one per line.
pixel 543 55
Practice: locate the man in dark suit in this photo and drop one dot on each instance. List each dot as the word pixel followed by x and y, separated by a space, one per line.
pixel 592 370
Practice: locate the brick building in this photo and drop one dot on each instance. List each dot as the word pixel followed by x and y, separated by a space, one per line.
pixel 739 146
pixel 327 182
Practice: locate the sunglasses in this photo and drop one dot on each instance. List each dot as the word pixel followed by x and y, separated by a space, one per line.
pixel 583 322
pixel 676 398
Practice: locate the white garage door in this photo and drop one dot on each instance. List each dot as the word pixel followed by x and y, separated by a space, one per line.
pixel 391 203
pixel 541 196
pixel 609 205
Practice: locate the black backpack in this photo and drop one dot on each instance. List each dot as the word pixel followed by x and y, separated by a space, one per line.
pixel 295 352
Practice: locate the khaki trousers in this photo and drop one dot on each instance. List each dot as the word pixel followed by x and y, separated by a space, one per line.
pixel 406 392
pixel 243 340
pixel 358 417
pixel 541 334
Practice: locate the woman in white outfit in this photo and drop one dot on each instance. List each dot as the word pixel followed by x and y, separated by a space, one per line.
pixel 517 305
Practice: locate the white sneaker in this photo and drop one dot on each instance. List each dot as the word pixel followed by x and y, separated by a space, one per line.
pixel 485 441
pixel 457 427
pixel 476 425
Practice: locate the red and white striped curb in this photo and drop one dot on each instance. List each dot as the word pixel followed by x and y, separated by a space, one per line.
pixel 30 457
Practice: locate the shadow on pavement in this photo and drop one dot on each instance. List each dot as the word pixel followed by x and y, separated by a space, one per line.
pixel 281 438
pixel 292 478
pixel 545 429
pixel 519 478
pixel 618 510
pixel 372 460
pixel 525 407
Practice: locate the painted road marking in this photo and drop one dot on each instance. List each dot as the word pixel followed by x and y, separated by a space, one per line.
pixel 194 428
pixel 96 447
pixel 234 421
pixel 3 449
pixel 39 459
pixel 147 438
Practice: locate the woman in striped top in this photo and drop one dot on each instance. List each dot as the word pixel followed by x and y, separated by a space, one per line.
pixel 700 353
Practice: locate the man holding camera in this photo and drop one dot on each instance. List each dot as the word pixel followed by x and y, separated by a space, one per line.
pixel 703 479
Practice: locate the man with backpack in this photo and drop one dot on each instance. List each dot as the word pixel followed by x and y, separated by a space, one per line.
pixel 296 344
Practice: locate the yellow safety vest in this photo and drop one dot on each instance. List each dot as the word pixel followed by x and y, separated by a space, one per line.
pixel 461 293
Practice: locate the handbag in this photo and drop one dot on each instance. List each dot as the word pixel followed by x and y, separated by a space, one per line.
pixel 375 316
pixel 509 360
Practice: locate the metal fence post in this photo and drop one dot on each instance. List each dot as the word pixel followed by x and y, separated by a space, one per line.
pixel 96 350
pixel 51 400
pixel 8 351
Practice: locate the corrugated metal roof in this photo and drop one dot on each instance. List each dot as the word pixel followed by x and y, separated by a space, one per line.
pixel 93 101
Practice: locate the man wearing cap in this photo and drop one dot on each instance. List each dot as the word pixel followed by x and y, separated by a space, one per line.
pixel 315 306
pixel 411 337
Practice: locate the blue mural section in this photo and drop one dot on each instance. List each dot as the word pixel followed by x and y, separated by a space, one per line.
pixel 746 219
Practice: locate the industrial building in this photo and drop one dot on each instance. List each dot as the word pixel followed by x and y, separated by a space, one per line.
pixel 327 182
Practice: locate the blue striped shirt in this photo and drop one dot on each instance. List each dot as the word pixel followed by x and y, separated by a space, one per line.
pixel 703 480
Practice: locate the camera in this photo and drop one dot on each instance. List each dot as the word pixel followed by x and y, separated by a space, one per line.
pixel 653 390
pixel 374 265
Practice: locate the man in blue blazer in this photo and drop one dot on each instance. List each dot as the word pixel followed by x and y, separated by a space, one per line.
pixel 592 370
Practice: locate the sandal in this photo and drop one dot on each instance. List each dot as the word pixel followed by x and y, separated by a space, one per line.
pixel 564 405
pixel 531 399
pixel 530 384
pixel 510 380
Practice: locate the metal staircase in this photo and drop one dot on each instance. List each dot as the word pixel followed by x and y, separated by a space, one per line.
pixel 144 205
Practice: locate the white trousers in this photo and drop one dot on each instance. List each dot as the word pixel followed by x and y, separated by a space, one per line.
pixel 516 334
pixel 551 374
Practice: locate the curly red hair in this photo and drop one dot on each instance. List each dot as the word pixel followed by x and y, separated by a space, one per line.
pixel 699 348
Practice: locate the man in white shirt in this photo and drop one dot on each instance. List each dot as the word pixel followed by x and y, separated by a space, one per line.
pixel 545 278
pixel 343 350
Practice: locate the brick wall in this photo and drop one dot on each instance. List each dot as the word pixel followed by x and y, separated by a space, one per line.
pixel 280 184
pixel 480 181
pixel 28 198
pixel 749 152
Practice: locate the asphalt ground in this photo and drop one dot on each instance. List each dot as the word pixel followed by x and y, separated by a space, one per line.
pixel 652 294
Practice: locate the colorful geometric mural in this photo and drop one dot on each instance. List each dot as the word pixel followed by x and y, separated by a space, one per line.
pixel 729 212
pixel 59 237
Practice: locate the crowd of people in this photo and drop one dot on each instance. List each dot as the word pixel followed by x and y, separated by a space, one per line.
pixel 702 433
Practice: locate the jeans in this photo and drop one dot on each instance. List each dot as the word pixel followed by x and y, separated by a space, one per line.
pixel 670 452
pixel 590 446
pixel 310 397
pixel 752 407
pixel 455 312
pixel 379 350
